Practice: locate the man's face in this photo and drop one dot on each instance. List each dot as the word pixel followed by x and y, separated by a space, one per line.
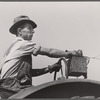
pixel 27 32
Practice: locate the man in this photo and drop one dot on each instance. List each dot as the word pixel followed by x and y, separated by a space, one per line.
pixel 16 69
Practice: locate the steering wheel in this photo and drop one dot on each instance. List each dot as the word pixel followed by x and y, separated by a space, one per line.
pixel 66 69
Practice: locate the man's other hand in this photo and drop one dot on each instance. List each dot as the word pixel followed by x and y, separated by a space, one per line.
pixel 55 67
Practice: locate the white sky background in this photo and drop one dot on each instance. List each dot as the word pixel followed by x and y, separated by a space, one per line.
pixel 61 25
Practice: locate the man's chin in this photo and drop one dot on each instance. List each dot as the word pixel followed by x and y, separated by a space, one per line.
pixel 30 39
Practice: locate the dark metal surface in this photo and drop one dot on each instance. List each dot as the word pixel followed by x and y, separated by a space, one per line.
pixel 64 88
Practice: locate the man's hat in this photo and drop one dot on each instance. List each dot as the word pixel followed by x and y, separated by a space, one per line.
pixel 21 20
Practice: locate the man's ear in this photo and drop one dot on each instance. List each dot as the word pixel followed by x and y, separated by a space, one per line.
pixel 19 31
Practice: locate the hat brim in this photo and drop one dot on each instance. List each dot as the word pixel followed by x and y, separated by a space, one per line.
pixel 14 27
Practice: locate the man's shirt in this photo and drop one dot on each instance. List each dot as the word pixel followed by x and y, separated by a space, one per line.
pixel 18 55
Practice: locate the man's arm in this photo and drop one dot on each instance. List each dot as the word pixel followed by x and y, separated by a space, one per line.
pixel 55 53
pixel 37 72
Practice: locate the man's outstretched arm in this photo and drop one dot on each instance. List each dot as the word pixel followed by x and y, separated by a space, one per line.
pixel 55 53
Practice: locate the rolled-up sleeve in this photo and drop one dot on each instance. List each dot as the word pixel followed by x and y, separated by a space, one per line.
pixel 30 47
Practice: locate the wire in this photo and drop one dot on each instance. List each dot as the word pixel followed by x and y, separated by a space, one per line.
pixel 95 58
pixel 88 58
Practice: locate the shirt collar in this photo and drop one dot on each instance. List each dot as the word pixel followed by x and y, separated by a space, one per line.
pixel 19 38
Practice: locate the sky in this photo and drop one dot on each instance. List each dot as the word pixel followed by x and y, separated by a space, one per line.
pixel 60 25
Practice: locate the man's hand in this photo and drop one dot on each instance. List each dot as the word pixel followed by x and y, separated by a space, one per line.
pixel 77 53
pixel 55 67
pixel 74 53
